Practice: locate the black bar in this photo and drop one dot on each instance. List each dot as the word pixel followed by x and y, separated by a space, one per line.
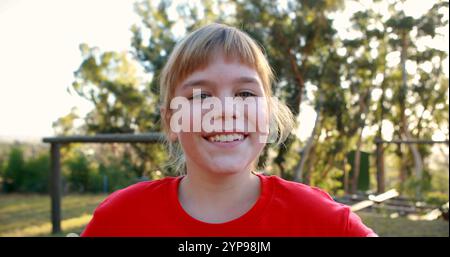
pixel 55 187
pixel 279 246
pixel 109 138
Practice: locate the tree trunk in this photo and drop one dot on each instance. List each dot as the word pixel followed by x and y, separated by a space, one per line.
pixel 380 146
pixel 364 108
pixel 380 167
pixel 306 176
pixel 405 134
pixel 357 163
pixel 402 168
pixel 298 173
pixel 380 115
pixel 346 177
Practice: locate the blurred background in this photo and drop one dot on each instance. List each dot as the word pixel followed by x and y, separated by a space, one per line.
pixel 367 80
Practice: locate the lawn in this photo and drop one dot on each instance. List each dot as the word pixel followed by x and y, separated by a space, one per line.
pixel 29 215
pixel 401 226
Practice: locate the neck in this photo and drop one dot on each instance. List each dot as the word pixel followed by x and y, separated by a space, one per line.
pixel 218 184
pixel 207 188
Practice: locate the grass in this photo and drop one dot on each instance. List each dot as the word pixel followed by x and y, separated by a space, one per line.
pixel 402 226
pixel 29 215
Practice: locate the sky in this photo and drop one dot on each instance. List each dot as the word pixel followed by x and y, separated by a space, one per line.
pixel 39 51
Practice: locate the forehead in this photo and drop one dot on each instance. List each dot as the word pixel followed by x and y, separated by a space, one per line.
pixel 198 61
pixel 223 69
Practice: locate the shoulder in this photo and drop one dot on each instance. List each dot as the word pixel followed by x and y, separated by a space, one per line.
pixel 299 192
pixel 126 211
pixel 134 195
pixel 317 208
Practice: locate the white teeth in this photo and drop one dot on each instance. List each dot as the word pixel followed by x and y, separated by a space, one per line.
pixel 226 138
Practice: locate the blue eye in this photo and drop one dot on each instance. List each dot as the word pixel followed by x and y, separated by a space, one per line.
pixel 245 94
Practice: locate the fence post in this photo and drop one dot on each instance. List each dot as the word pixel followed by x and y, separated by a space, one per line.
pixel 55 187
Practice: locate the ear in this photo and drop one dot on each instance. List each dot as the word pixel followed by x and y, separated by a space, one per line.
pixel 166 114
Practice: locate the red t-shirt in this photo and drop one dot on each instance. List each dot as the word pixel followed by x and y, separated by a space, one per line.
pixel 284 208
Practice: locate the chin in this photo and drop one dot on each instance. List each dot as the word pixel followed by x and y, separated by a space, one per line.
pixel 226 171
pixel 226 168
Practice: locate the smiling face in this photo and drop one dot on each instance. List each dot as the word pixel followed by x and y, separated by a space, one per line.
pixel 234 147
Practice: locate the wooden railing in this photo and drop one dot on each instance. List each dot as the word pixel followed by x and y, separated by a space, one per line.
pixel 55 172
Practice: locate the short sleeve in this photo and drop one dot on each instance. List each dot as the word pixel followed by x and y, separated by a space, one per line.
pixel 356 228
pixel 100 224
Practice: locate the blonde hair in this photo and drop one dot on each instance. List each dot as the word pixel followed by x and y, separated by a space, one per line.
pixel 195 52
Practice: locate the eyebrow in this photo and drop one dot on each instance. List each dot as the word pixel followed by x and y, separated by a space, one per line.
pixel 244 80
pixel 205 82
pixel 197 82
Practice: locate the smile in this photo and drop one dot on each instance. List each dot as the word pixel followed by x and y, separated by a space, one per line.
pixel 226 139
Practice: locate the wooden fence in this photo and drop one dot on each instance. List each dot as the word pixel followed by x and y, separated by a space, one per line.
pixel 55 172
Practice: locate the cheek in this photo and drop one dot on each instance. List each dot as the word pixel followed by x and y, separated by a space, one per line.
pixel 186 119
pixel 190 142
pixel 251 115
pixel 262 120
pixel 258 116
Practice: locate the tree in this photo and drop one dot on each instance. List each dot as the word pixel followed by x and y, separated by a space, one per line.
pixel 297 38
pixel 351 82
pixel 37 174
pixel 415 96
pixel 122 103
pixel 14 171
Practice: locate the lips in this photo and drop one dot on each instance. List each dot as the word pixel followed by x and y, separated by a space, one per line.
pixel 225 137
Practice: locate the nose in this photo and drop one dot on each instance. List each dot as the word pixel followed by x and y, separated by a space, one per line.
pixel 229 110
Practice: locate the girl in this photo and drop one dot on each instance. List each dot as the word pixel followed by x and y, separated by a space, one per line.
pixel 219 193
